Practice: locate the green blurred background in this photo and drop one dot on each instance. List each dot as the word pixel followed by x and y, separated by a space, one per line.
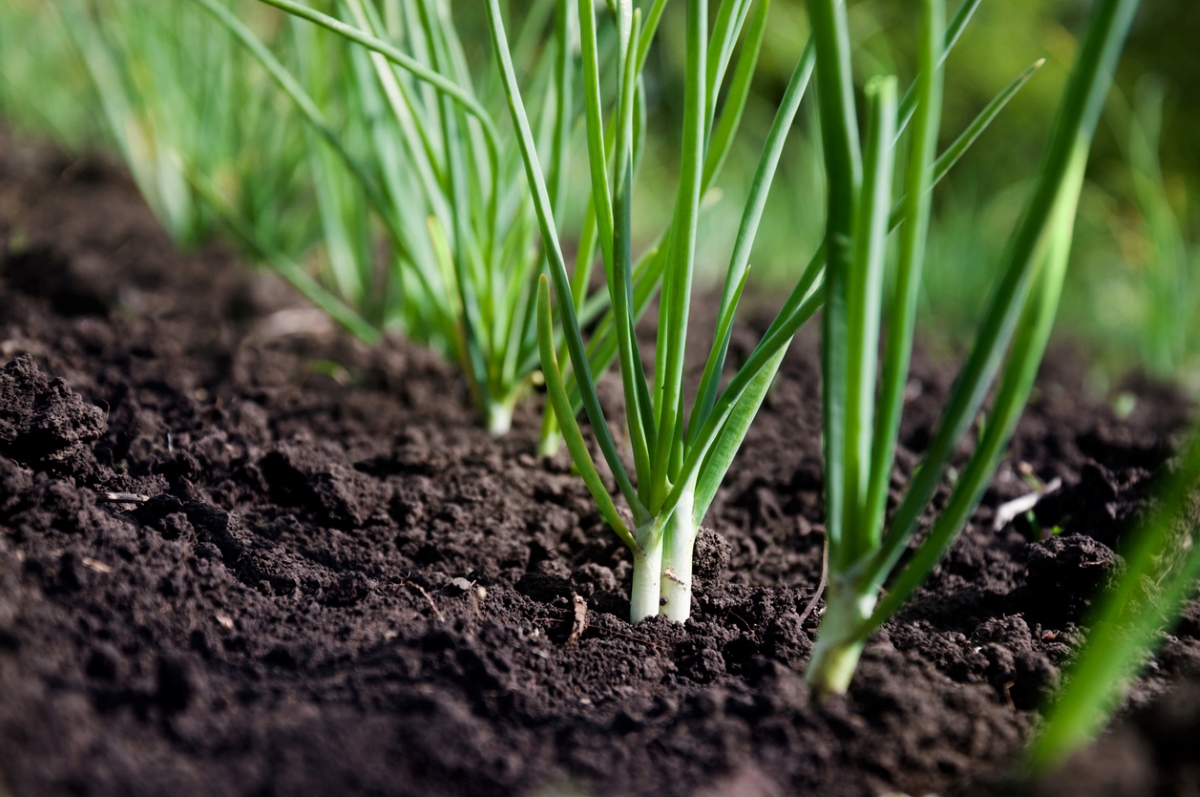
pixel 1134 287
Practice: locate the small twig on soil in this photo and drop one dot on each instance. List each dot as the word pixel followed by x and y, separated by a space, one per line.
pixel 731 613
pixel 579 622
pixel 630 637
pixel 96 565
pixel 123 498
pixel 437 612
pixel 1008 685
pixel 1009 511
pixel 812 604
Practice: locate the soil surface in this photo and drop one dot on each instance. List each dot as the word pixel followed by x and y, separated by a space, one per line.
pixel 241 554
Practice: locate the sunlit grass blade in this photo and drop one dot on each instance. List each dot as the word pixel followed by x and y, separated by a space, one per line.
pixel 726 28
pixel 621 283
pixel 472 287
pixel 134 138
pixel 603 349
pixel 401 59
pixel 1022 312
pixel 305 104
pixel 594 117
pixel 864 301
pixel 849 353
pixel 419 148
pixel 566 21
pixel 728 441
pixel 801 304
pixel 958 23
pixel 710 379
pixel 648 32
pixel 967 138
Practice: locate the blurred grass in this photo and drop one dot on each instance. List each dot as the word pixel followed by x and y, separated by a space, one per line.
pixel 45 87
pixel 164 88
pixel 1132 298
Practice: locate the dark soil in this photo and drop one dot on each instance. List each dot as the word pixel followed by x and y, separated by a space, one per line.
pixel 242 554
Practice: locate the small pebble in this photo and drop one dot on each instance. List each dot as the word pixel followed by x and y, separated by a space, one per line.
pixel 458 586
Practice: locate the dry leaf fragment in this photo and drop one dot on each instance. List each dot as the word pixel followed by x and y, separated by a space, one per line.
pixel 579 621
pixel 96 565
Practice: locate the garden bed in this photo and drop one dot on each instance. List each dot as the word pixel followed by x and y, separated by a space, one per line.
pixel 242 554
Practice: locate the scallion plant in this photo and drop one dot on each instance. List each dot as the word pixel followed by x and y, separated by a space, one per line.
pixel 401 141
pixel 733 22
pixel 862 411
pixel 679 461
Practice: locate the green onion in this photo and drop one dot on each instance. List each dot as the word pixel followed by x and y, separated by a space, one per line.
pixel 670 474
pixel 398 139
pixel 680 458
pixel 862 417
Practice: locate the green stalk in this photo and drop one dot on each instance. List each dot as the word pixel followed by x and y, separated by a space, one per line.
pixel 678 284
pixel 838 646
pixel 721 139
pixel 594 116
pixel 621 267
pixel 833 661
pixel 571 433
pixel 1029 344
pixel 917 207
pixel 746 389
pixel 443 84
pixel 564 81
pixel 843 169
pixel 731 15
pixel 908 105
pixel 864 298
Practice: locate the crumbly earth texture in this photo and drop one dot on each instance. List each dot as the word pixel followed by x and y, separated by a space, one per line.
pixel 241 554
